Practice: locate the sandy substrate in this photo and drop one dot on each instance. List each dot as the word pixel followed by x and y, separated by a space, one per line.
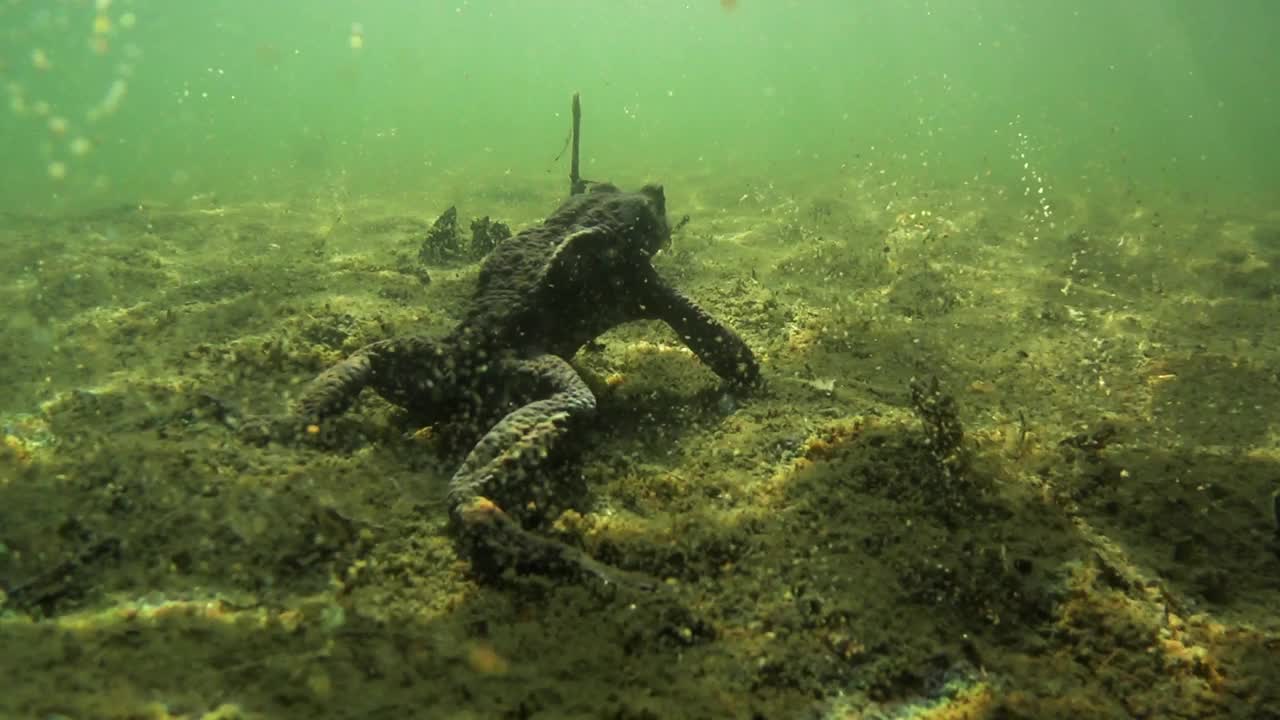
pixel 1102 543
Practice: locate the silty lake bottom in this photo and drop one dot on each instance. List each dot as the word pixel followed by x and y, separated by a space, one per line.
pixel 1100 542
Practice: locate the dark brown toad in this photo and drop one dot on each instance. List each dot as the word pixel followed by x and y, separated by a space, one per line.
pixel 541 296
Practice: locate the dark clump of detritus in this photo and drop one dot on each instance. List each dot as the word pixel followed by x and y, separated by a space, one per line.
pixel 944 434
pixel 954 487
pixel 485 236
pixel 443 242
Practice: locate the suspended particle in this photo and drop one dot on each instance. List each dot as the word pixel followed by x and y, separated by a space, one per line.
pixel 128 20
pixel 57 170
pixel 115 95
pixel 357 36
pixel 58 125
pixel 101 25
pixel 81 146
pixel 40 60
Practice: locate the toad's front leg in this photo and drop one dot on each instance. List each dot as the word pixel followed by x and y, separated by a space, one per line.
pixel 715 343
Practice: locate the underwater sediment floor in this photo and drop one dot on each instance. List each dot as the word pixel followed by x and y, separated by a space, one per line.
pixel 1100 541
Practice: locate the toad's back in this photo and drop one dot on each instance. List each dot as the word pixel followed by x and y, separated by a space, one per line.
pixel 557 284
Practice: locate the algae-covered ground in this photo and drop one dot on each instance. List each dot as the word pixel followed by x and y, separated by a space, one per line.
pixel 1101 542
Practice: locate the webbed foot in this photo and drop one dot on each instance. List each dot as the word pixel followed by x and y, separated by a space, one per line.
pixel 261 430
pixel 498 546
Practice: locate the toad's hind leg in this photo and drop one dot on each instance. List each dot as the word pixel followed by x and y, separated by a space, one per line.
pixel 510 453
pixel 383 366
pixel 401 369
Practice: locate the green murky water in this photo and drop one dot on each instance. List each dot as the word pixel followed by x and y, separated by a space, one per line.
pixel 260 102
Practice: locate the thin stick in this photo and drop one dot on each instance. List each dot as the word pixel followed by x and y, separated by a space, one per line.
pixel 577 185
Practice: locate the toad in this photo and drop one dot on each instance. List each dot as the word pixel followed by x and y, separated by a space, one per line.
pixel 541 295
